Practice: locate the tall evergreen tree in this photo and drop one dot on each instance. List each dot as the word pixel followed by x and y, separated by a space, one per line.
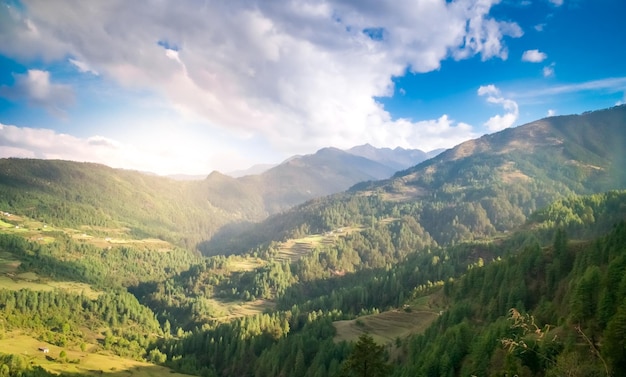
pixel 368 359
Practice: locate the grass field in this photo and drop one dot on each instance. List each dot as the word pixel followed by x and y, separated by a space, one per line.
pixel 244 263
pixel 385 327
pixel 94 364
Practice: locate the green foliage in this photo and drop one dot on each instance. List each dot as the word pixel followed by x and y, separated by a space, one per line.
pixel 18 366
pixel 68 259
pixel 367 359
pixel 573 327
pixel 56 317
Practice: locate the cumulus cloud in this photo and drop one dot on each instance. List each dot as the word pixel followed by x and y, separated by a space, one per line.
pixel 534 56
pixel 551 112
pixel 556 3
pixel 298 73
pixel 499 122
pixel 548 71
pixel 35 88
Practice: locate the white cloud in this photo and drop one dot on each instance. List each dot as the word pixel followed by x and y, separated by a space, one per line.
pixel 490 90
pixel 551 112
pixel 83 67
pixel 548 71
pixel 622 101
pixel 499 122
pixel 610 85
pixel 35 88
pixel 540 27
pixel 556 3
pixel 165 156
pixel 534 56
pixel 301 74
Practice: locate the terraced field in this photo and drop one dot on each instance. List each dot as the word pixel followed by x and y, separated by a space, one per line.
pixel 294 249
pixel 385 327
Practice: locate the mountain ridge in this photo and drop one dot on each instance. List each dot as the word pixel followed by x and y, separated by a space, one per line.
pixel 476 189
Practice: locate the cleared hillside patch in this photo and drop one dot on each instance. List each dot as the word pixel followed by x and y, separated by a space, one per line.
pixel 12 279
pixel 387 326
pixel 237 309
pixel 86 363
pixel 103 237
pixel 294 249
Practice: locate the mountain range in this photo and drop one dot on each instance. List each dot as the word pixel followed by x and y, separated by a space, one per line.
pixel 185 209
pixel 393 159
pixel 476 189
pixel 480 187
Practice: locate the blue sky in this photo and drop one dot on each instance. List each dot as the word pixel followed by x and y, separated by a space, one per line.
pixel 195 86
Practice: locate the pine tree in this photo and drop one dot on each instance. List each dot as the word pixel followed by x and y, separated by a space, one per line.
pixel 368 359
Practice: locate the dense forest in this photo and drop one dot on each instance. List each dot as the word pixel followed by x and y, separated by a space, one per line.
pixel 544 300
pixel 487 259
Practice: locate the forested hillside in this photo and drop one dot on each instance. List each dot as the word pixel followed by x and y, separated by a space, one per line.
pixel 73 194
pixel 478 189
pixel 517 305
pixel 496 298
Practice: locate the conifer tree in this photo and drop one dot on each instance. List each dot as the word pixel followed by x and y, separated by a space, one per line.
pixel 368 359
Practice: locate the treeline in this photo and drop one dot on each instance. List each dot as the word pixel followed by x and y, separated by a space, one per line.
pixel 62 318
pixel 462 209
pixel 542 312
pixel 288 343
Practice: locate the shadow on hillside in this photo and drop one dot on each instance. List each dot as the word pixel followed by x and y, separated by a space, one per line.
pixel 234 238
pixel 49 266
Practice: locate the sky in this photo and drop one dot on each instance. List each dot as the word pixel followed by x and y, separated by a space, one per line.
pixel 188 87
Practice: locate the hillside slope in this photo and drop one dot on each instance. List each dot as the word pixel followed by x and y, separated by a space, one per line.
pixel 74 194
pixel 328 171
pixel 477 189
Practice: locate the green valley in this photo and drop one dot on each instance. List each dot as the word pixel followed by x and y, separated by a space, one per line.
pixel 505 255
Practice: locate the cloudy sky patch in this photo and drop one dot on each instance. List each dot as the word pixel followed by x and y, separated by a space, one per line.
pixel 181 84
